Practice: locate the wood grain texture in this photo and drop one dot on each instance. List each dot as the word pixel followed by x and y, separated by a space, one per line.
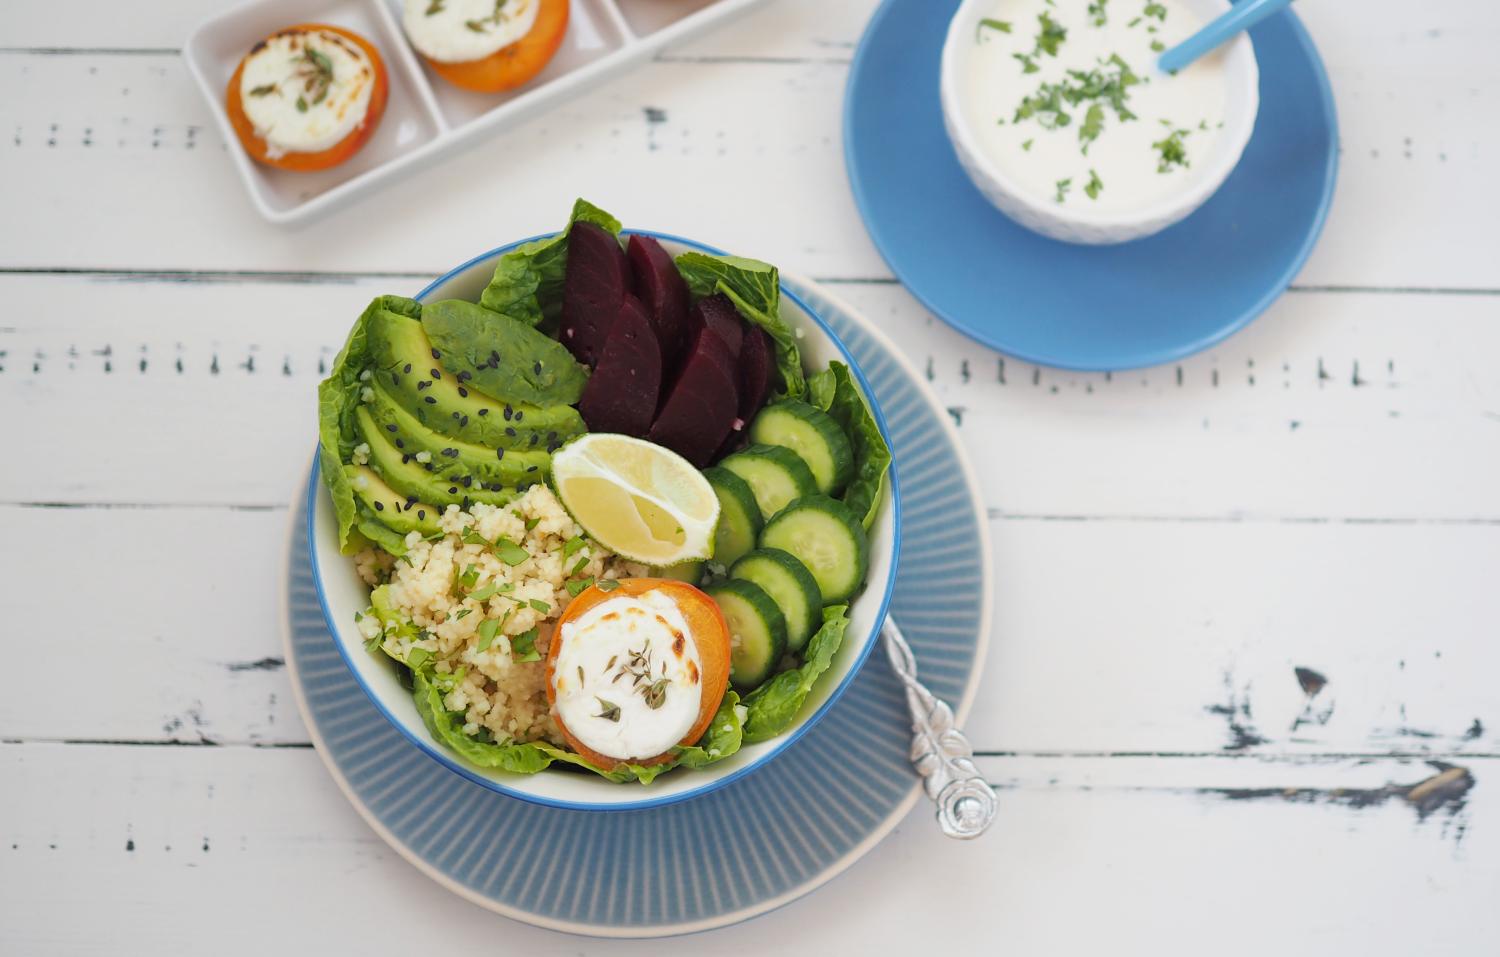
pixel 1240 695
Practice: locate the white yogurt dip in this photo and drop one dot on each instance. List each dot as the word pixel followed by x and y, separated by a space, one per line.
pixel 305 90
pixel 1065 99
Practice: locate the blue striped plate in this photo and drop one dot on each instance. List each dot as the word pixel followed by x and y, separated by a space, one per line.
pixel 621 874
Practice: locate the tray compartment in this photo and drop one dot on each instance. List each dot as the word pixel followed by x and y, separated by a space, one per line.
pixel 645 17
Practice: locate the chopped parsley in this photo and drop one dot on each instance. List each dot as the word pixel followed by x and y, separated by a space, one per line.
pixel 510 553
pixel 1095 184
pixel 577 586
pixel 1027 145
pixel 1002 25
pixel 1157 46
pixel 572 545
pixel 523 646
pixel 1052 35
pixel 463 613
pixel 1157 10
pixel 1096 12
pixel 487 592
pixel 1063 185
pixel 470 577
pixel 532 523
pixel 1173 152
pixel 471 537
pixel 263 89
pixel 487 630
pixel 578 566
pixel 538 605
pixel 1108 83
pixel 608 584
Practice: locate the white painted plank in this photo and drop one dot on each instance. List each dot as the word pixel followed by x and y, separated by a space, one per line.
pixel 1358 406
pixel 1414 99
pixel 1187 639
pixel 1149 862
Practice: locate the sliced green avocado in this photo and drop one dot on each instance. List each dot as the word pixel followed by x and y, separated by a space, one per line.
pixel 389 507
pixel 403 356
pixel 505 358
pixel 452 459
pixel 409 477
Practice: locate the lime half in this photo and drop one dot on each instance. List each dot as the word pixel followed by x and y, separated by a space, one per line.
pixel 641 501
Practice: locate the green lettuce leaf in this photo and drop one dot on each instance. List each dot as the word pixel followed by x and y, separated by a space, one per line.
pixel 338 397
pixel 834 391
pixel 504 359
pixel 528 280
pixel 755 289
pixel 774 705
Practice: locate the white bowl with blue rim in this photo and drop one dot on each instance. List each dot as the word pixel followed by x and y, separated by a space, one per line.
pixel 1077 223
pixel 342 594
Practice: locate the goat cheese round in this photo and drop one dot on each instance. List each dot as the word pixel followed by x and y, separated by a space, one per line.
pixel 459 31
pixel 305 90
pixel 627 677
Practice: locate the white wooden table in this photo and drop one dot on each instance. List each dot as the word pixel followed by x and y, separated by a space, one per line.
pixel 1321 492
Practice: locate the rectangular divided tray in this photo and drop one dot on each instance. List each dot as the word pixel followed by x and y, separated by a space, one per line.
pixel 425 114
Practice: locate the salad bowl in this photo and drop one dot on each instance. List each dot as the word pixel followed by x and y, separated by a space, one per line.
pixel 342 596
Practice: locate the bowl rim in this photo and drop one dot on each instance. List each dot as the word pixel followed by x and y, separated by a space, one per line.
pixel 1167 210
pixel 439 754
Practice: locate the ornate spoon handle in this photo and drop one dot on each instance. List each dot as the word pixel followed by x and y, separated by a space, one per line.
pixel 939 751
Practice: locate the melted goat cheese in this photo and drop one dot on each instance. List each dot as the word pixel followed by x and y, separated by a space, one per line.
pixel 598 694
pixel 458 31
pixel 293 66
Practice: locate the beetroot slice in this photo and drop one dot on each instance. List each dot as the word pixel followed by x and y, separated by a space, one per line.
pixel 621 394
pixel 703 402
pixel 664 294
pixel 719 314
pixel 756 364
pixel 595 282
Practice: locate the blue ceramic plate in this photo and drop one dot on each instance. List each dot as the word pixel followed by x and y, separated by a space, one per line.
pixel 1084 307
pixel 849 774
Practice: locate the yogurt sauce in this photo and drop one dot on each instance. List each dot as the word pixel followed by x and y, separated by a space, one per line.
pixel 627 677
pixel 459 31
pixel 1065 98
pixel 304 91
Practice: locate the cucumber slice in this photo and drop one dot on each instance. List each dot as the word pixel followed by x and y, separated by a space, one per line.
pixel 814 435
pixel 776 475
pixel 690 572
pixel 791 586
pixel 826 537
pixel 757 631
pixel 740 520
pixel 388 507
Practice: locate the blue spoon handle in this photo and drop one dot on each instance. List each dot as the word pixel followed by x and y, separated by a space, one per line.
pixel 1244 15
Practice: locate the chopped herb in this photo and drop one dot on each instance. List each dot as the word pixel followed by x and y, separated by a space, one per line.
pixel 580 674
pixel 1172 151
pixel 373 644
pixel 471 537
pixel 577 586
pixel 523 646
pixel 463 613
pixel 263 89
pixel 1095 184
pixel 510 553
pixel 483 25
pixel 316 74
pixel 487 592
pixel 572 545
pixel 656 694
pixel 435 7
pixel 1157 10
pixel 487 630
pixel 1027 63
pixel 1203 124
pixel 470 577
pixel 1093 125
pixel 417 657
pixel 539 605
pixel 1063 185
pixel 609 584
pixel 578 566
pixel 301 104
pixel 1133 22
pixel 611 710
pixel 1027 145
pixel 1157 46
pixel 1002 25
pixel 1052 35
pixel 1096 11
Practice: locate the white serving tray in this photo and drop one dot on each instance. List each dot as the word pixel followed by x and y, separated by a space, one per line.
pixel 426 115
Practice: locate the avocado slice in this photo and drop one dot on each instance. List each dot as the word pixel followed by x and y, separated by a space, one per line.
pixel 461 463
pixel 410 478
pixel 403 356
pixel 506 359
pixel 390 508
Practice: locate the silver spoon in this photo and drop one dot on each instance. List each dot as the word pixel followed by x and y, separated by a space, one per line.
pixel 939 751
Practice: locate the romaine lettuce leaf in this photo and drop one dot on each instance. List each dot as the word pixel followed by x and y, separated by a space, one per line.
pixel 833 390
pixel 774 705
pixel 528 280
pixel 338 397
pixel 755 289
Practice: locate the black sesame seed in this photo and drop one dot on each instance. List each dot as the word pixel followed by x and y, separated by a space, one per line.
pixel 465 376
pixel 405 459
pixel 406 368
pixel 534 438
pixel 395 379
pixel 421 513
pixel 468 481
pixel 463 421
pixel 500 453
pixel 428 466
pixel 429 400
pixel 509 412
pixel 435 374
pixel 531 468
pixel 519 413
pixel 463 393
pixel 496 487
pixel 466 502
pixel 436 354
pixel 484 412
pixel 423 384
pixel 390 428
pixel 537 367
pixel 451 453
pixel 379 506
pixel 494 356
pixel 553 447
pixel 551 436
pixel 453 490
pixel 411 500
pixel 510 430
pixel 400 444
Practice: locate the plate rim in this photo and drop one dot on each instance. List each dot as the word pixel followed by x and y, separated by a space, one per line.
pixel 838 867
pixel 1161 356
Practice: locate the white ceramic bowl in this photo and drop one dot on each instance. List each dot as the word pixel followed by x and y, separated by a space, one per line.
pixel 342 594
pixel 1079 224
